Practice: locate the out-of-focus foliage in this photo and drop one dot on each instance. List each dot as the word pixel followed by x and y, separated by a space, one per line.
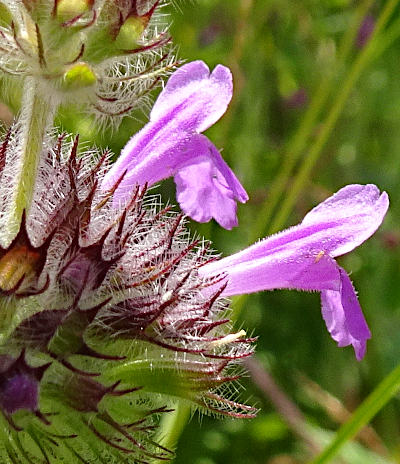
pixel 280 51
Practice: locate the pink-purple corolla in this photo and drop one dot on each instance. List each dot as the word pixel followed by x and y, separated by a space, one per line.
pixel 302 258
pixel 171 144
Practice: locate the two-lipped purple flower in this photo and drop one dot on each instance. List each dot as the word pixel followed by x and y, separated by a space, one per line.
pixel 171 144
pixel 301 257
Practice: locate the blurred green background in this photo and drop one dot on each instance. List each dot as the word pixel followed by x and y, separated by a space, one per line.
pixel 316 106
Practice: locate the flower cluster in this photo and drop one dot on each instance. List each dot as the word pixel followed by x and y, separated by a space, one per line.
pixel 110 312
pixel 100 303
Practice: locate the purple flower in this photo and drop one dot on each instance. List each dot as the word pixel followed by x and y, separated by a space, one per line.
pixel 171 144
pixel 301 258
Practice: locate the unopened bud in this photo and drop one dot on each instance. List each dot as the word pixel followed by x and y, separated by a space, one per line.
pixel 296 100
pixel 17 264
pixel 366 29
pixel 69 9
pixel 130 32
pixel 80 75
pixel 19 384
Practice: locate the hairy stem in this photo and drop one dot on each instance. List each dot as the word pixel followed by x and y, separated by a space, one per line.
pixel 35 118
pixel 173 424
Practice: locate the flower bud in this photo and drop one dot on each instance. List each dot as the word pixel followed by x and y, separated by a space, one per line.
pixel 15 265
pixel 19 385
pixel 130 32
pixel 21 265
pixel 66 10
pixel 113 47
pixel 365 31
pixel 297 99
pixel 79 76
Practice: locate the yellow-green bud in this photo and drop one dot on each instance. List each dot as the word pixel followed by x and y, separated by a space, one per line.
pixel 18 263
pixel 130 32
pixel 69 9
pixel 78 76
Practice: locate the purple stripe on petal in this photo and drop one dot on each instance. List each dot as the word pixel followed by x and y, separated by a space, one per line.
pixel 344 318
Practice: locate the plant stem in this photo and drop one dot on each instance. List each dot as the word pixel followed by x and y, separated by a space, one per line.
pixel 35 117
pixel 282 403
pixel 389 386
pixel 173 424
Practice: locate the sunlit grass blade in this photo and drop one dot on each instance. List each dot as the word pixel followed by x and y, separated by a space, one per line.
pixel 383 393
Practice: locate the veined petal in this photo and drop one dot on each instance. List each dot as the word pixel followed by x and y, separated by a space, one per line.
pixel 206 187
pixel 281 270
pixel 192 101
pixel 344 318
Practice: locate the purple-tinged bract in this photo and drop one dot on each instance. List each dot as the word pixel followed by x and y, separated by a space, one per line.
pixel 110 303
pixel 19 386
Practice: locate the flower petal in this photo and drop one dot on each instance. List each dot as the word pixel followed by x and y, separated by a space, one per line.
pixel 334 227
pixel 302 258
pixel 170 144
pixel 206 187
pixel 279 270
pixel 191 102
pixel 198 97
pixel 344 318
pixel 352 214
